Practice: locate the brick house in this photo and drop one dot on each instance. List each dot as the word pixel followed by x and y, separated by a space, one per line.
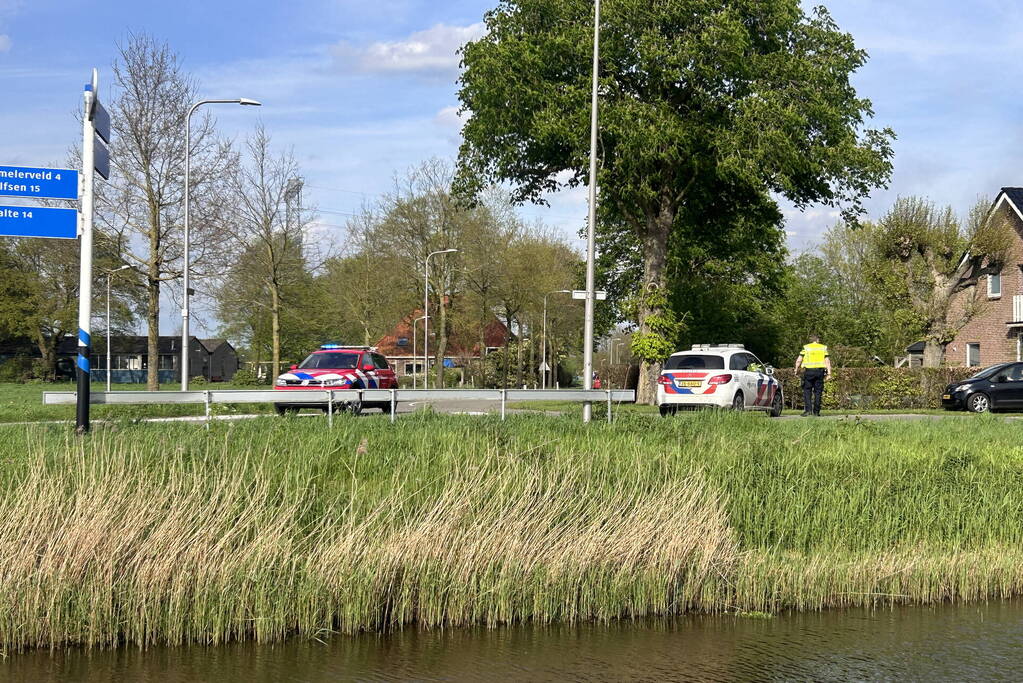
pixel 995 333
pixel 462 345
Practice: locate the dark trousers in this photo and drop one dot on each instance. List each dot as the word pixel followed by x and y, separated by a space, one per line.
pixel 813 389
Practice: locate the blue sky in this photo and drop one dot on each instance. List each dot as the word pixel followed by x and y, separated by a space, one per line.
pixel 364 90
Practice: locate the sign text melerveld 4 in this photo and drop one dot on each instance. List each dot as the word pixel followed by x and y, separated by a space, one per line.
pixel 38 183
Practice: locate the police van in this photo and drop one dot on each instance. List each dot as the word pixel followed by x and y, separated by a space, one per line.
pixel 722 376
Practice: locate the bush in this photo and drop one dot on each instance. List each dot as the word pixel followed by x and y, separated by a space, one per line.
pixel 16 369
pixel 197 381
pixel 879 388
pixel 248 378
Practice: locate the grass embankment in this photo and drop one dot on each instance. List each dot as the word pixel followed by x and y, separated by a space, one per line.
pixel 146 534
pixel 24 403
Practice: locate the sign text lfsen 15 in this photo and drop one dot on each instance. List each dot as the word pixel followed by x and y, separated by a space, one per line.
pixel 40 183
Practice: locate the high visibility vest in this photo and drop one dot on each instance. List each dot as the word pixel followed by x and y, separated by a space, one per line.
pixel 813 355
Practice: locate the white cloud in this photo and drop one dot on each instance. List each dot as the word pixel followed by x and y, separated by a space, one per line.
pixel 5 42
pixel 449 117
pixel 433 50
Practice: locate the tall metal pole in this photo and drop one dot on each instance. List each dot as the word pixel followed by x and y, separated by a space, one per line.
pixel 415 346
pixel 426 323
pixel 110 276
pixel 591 222
pixel 186 296
pixel 85 262
pixel 543 353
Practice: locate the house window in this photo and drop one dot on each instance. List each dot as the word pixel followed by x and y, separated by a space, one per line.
pixel 994 286
pixel 413 368
pixel 402 341
pixel 972 355
pixel 168 362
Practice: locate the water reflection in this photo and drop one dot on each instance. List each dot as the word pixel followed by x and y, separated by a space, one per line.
pixel 939 643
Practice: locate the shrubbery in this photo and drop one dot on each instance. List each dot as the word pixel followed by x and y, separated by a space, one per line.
pixel 880 388
pixel 16 369
pixel 248 378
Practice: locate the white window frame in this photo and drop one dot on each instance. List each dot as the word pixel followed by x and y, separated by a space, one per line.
pixel 968 345
pixel 991 294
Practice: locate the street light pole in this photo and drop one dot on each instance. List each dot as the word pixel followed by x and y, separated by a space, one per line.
pixel 543 353
pixel 415 328
pixel 591 223
pixel 188 162
pixel 110 276
pixel 426 316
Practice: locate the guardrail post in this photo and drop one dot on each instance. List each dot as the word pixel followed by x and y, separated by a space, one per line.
pixel 608 406
pixel 394 404
pixel 330 408
pixel 504 401
pixel 206 400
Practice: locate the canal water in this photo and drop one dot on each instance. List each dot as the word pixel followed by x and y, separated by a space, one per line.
pixel 946 643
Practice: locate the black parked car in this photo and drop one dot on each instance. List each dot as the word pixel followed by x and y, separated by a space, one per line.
pixel 995 388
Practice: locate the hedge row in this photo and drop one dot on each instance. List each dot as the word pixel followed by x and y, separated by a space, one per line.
pixel 877 388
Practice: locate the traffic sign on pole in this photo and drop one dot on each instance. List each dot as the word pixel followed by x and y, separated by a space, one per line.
pixel 90 163
pixel 101 160
pixel 101 120
pixel 600 294
pixel 38 221
pixel 38 183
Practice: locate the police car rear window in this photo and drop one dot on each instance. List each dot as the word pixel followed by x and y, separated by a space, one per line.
pixel 695 362
pixel 333 361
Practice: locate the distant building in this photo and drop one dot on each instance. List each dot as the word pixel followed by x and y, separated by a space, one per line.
pixel 214 359
pixel 462 345
pixel 995 333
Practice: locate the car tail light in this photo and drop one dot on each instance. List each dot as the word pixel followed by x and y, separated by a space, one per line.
pixel 720 379
pixel 664 379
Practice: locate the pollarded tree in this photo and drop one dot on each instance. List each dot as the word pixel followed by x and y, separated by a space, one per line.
pixel 699 99
pixel 939 262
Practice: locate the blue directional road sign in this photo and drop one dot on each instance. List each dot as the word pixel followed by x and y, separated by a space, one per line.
pixel 38 221
pixel 42 183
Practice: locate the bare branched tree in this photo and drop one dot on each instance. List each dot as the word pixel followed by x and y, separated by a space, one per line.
pixel 142 205
pixel 272 256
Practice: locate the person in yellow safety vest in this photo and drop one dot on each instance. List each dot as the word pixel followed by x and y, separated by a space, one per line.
pixel 816 366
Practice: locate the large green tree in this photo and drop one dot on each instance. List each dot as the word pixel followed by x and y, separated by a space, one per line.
pixel 937 261
pixel 700 100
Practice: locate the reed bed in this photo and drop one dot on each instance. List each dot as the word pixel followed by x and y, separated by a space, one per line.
pixel 146 534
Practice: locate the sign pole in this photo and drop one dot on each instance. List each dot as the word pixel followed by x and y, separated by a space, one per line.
pixel 85 266
pixel 591 222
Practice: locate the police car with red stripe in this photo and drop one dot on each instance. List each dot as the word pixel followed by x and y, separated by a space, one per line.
pixel 723 376
pixel 334 366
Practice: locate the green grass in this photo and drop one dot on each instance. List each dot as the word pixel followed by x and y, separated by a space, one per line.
pixel 142 534
pixel 24 403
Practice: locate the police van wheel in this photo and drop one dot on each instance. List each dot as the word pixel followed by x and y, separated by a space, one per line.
pixel 739 402
pixel 666 410
pixel 777 405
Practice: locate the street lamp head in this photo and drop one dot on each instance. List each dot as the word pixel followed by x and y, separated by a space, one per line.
pixel 244 101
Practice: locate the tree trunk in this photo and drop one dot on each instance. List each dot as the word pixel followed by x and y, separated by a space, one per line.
pixel 275 328
pixel 442 340
pixel 48 352
pixel 934 353
pixel 153 321
pixel 655 248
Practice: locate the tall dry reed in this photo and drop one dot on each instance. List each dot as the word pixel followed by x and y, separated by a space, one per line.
pixel 148 534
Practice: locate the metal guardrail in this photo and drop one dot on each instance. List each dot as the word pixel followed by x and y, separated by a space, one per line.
pixel 334 397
